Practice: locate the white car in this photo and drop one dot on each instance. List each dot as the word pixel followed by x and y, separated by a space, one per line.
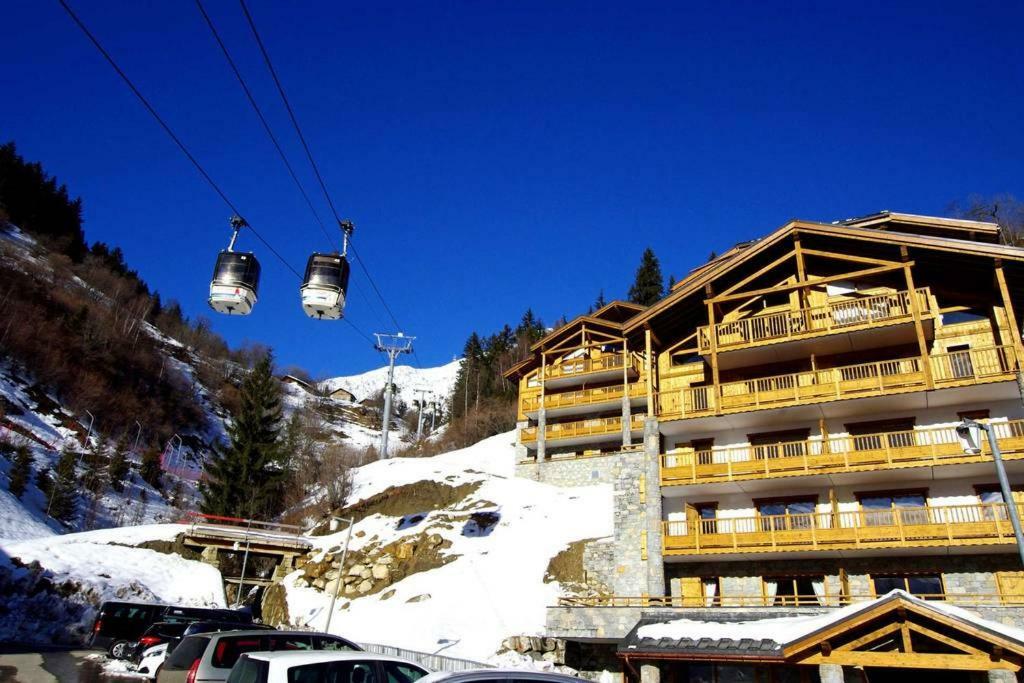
pixel 498 676
pixel 151 659
pixel 323 667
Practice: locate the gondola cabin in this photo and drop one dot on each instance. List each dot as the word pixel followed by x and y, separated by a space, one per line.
pixel 325 286
pixel 236 279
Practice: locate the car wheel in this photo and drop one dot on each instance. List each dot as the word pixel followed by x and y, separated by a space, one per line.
pixel 119 649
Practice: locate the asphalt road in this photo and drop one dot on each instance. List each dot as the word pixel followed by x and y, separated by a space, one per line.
pixel 32 665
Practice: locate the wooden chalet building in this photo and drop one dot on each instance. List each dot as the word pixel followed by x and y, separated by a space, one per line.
pixel 779 431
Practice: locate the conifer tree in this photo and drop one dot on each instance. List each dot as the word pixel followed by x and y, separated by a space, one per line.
pixel 648 285
pixel 21 470
pixel 671 284
pixel 247 477
pixel 600 303
pixel 117 470
pixel 150 470
pixel 95 479
pixel 62 494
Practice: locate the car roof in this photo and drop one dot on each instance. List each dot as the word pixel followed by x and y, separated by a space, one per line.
pixel 477 674
pixel 300 657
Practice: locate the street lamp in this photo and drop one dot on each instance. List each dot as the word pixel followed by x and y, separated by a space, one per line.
pixel 969 432
pixel 138 435
pixel 335 523
pixel 173 452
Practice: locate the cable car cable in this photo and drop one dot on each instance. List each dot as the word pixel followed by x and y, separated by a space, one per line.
pixel 163 124
pixel 263 120
pixel 309 154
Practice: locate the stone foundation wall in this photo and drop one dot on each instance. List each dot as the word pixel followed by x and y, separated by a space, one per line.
pixel 570 472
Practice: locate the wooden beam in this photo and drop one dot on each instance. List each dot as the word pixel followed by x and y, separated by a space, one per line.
pixel 848 257
pixel 946 640
pixel 870 637
pixel 750 278
pixel 911 660
pixel 716 387
pixel 818 281
pixel 649 350
pixel 1011 317
pixel 801 270
pixel 915 308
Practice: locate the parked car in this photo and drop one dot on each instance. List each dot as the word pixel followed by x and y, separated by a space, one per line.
pixel 498 676
pixel 151 659
pixel 324 667
pixel 210 656
pixel 160 632
pixel 123 622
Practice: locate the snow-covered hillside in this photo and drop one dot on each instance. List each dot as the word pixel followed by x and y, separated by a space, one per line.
pixel 52 586
pixel 440 381
pixel 495 542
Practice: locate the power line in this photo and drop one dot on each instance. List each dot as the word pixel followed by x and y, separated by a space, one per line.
pixel 358 331
pixel 163 124
pixel 309 156
pixel 263 120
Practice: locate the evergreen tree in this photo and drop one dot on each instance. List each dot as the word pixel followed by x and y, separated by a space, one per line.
pixel 95 479
pixel 648 285
pixel 150 469
pixel 118 468
pixel 21 470
pixel 63 488
pixel 712 256
pixel 248 476
pixel 671 284
pixel 600 303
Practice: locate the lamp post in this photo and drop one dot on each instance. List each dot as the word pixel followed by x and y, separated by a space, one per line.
pixel 245 561
pixel 970 432
pixel 138 435
pixel 335 522
pixel 170 458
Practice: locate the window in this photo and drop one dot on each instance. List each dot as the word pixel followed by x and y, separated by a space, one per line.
pixel 789 443
pixel 249 671
pixel 991 497
pixel 706 514
pixel 928 586
pixel 685 358
pixel 703 450
pixel 332 643
pixel 964 316
pixel 403 673
pixel 881 507
pixel 880 434
pixel 977 415
pixel 960 362
pixel 334 672
pixel 794 590
pixel 786 513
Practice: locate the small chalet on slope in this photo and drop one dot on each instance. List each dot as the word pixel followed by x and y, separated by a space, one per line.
pixel 780 434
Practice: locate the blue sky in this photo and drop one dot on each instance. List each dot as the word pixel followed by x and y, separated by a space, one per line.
pixel 496 156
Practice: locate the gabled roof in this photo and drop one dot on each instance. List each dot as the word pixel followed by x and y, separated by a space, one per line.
pixel 795 638
pixel 611 316
pixel 908 222
pixel 737 256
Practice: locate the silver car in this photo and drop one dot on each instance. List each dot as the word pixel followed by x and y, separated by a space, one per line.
pixel 324 667
pixel 499 676
pixel 210 656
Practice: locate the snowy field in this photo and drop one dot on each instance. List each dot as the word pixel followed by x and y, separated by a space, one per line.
pixel 495 588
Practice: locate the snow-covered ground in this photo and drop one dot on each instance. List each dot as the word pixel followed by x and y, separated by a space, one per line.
pixel 76 572
pixel 495 588
pixel 440 381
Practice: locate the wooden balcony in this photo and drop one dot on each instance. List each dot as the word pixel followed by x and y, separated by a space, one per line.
pixel 956 525
pixel 606 368
pixel 584 400
pixel 803 323
pixel 583 431
pixel 881 451
pixel 960 368
pixel 824 600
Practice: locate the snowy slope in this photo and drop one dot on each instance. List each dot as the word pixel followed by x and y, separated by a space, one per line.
pixel 495 587
pixel 439 380
pixel 92 567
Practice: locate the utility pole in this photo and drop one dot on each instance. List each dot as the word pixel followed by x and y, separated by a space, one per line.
pixel 419 417
pixel 392 345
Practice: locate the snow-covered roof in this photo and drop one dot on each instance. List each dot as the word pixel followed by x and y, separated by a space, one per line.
pixel 772 636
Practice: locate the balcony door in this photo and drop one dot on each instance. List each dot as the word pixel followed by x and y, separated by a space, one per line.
pixel 878 435
pixel 789 443
pixel 881 508
pixel 960 364
pixel 786 514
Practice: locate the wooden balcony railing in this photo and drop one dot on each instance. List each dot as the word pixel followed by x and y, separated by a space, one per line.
pixel 584 397
pixel 574 367
pixel 569 430
pixel 823 600
pixel 839 316
pixel 970 366
pixel 883 450
pixel 897 527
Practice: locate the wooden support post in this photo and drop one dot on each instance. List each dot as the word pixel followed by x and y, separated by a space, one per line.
pixel 823 430
pixel 627 437
pixel 801 277
pixel 649 350
pixel 1011 317
pixel 541 412
pixel 713 338
pixel 915 307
